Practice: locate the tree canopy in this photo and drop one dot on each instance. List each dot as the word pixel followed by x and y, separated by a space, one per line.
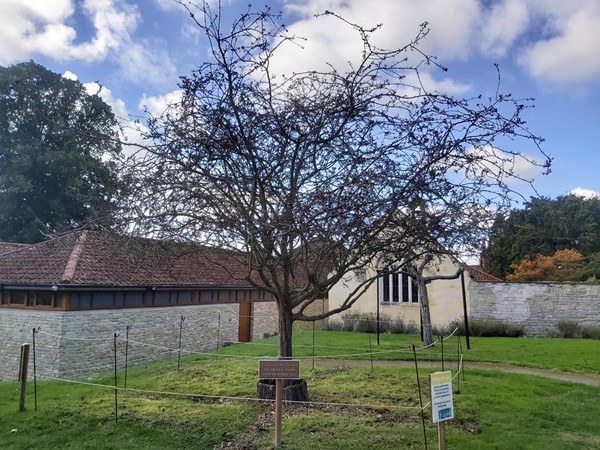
pixel 55 139
pixel 543 227
pixel 564 265
pixel 316 174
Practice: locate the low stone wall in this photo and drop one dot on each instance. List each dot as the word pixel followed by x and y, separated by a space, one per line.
pixel 75 343
pixel 536 306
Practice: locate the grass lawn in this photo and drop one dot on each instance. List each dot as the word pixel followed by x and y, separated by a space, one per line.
pixel 493 410
pixel 568 355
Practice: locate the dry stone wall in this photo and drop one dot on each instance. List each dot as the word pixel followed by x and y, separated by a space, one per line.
pixel 536 306
pixel 76 343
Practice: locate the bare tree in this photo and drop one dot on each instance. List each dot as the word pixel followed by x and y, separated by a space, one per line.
pixel 314 174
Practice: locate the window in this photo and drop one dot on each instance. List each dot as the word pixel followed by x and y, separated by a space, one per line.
pixel 103 299
pixel 43 298
pixel 206 296
pixel 134 298
pixel 17 297
pixel 397 287
pixel 184 297
pixel 161 297
pixel 31 299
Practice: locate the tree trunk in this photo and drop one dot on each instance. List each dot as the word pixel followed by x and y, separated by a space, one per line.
pixel 293 390
pixel 425 313
pixel 285 330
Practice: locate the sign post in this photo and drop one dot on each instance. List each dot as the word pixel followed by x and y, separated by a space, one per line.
pixel 279 369
pixel 442 405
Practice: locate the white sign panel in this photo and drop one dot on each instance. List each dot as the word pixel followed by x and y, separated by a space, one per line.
pixel 442 406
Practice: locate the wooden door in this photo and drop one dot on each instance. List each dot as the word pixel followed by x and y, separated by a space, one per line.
pixel 245 328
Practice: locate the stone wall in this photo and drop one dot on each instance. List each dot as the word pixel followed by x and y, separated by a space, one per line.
pixel 75 343
pixel 536 306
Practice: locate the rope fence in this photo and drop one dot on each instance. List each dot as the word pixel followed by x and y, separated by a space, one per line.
pixel 119 347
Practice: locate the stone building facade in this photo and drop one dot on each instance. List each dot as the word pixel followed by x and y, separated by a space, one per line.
pixel 76 343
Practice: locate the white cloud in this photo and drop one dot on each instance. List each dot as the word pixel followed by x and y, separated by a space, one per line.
pixel 498 164
pixel 157 105
pixel 35 27
pixel 555 41
pixel 70 75
pixel 585 193
pixel 570 53
pixel 332 41
pixel 452 22
pixel 131 131
pixel 145 63
pixel 502 25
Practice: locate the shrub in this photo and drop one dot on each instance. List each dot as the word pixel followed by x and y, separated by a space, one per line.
pixel 590 332
pixel 349 319
pixel 567 328
pixel 486 327
pixel 367 323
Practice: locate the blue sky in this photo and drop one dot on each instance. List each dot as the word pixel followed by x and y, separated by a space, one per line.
pixel 546 49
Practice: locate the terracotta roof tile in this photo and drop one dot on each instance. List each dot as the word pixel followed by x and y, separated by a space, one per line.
pixel 478 274
pixel 102 259
pixel 9 247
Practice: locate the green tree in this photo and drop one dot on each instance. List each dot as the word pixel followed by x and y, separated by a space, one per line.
pixel 56 144
pixel 542 227
pixel 564 265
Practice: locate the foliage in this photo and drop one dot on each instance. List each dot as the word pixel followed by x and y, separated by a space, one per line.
pixel 590 332
pixel 483 328
pixel 54 141
pixel 542 227
pixel 564 265
pixel 566 328
pixel 590 269
pixel 314 174
pixel 367 323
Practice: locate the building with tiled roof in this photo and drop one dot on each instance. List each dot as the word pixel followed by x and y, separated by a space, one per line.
pixel 86 283
pixel 97 262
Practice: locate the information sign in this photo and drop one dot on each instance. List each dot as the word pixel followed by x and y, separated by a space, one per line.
pixel 442 406
pixel 279 369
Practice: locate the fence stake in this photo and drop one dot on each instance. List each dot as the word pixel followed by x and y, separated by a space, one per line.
pixel 370 345
pixel 464 298
pixel 34 372
pixel 462 365
pixel 116 388
pixel 313 346
pixel 218 333
pixel 179 345
pixel 441 338
pixel 458 364
pixel 126 354
pixel 420 396
pixel 23 375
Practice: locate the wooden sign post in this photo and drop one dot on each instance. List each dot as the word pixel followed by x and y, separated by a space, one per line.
pixel 279 369
pixel 442 406
pixel 24 363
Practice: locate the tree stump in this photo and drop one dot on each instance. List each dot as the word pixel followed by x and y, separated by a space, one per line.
pixel 293 390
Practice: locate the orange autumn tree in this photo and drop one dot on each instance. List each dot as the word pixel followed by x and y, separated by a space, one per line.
pixel 561 266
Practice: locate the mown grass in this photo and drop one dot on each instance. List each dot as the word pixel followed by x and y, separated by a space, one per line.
pixel 165 410
pixel 568 355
